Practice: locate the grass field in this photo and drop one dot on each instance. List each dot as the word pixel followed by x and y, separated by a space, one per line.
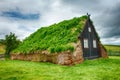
pixel 100 69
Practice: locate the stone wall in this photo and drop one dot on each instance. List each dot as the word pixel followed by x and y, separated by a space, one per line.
pixel 62 58
pixel 69 58
pixel 78 53
pixel 103 51
pixel 38 57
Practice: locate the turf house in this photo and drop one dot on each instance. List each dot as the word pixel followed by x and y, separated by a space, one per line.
pixel 68 42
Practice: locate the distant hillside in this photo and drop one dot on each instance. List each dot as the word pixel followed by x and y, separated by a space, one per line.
pixel 2 48
pixel 113 49
pixel 54 38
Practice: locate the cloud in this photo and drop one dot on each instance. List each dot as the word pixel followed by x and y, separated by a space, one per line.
pixel 18 15
pixel 112 21
pixel 83 6
pixel 111 40
pixel 106 17
pixel 23 17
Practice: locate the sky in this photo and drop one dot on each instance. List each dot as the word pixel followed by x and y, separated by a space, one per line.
pixel 23 17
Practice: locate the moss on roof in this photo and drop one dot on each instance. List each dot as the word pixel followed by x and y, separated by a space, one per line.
pixel 54 38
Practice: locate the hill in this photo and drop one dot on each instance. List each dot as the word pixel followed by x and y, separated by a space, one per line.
pixel 54 38
pixel 113 50
pixel 2 48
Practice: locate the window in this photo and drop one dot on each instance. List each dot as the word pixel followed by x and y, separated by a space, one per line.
pixel 89 29
pixel 94 44
pixel 85 43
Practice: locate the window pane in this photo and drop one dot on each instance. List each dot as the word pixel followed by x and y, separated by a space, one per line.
pixel 89 29
pixel 85 43
pixel 94 44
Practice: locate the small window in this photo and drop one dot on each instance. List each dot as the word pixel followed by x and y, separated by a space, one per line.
pixel 89 29
pixel 85 43
pixel 94 44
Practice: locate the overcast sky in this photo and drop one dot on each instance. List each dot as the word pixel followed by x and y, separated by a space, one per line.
pixel 23 17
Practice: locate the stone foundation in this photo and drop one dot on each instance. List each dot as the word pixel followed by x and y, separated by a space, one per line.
pixel 103 51
pixel 62 58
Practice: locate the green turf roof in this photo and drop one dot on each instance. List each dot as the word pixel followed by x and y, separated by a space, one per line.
pixel 54 38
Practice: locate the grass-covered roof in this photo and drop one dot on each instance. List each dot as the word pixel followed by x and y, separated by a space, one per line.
pixel 54 38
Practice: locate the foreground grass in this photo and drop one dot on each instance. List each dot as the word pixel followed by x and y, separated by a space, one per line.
pixel 101 69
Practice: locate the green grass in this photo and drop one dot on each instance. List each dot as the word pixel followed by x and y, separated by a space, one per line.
pixel 113 50
pixel 54 38
pixel 100 69
pixel 2 49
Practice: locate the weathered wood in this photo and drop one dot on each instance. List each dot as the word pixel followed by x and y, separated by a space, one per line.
pixel 91 47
